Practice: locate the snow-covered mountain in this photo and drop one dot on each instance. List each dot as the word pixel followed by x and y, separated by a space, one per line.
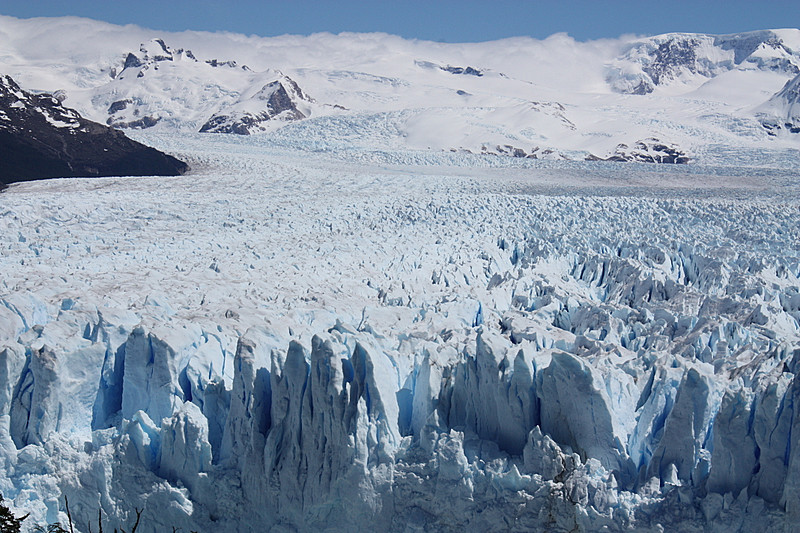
pixel 679 58
pixel 160 83
pixel 556 96
pixel 416 307
pixel 275 101
pixel 41 138
pixel 782 111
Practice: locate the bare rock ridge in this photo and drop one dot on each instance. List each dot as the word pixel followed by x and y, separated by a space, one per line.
pixel 40 138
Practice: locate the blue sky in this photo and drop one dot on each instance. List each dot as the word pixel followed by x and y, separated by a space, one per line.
pixel 437 20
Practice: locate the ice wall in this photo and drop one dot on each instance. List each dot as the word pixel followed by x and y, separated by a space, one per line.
pixel 560 410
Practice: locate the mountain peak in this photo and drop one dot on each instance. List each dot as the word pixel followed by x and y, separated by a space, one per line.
pixel 156 49
pixel 277 100
pixel 150 54
pixel 686 57
pixel 782 112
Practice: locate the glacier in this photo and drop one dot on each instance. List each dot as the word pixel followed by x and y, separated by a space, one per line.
pixel 419 308
pixel 287 340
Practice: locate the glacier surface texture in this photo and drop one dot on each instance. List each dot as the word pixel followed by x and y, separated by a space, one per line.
pixel 284 340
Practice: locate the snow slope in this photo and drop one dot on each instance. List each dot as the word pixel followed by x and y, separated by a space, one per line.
pixel 782 112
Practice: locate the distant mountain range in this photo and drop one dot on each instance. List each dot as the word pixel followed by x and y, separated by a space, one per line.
pixel 555 99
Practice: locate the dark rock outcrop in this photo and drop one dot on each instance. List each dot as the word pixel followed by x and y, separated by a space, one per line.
pixel 135 124
pixel 132 61
pixel 469 71
pixel 40 138
pixel 462 70
pixel 216 63
pixel 149 56
pixel 513 151
pixel 119 105
pixel 646 151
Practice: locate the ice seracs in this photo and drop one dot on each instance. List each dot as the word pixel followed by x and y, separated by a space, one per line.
pixel 591 362
pixel 362 320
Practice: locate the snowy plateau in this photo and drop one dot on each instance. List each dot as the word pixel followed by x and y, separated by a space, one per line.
pixel 407 297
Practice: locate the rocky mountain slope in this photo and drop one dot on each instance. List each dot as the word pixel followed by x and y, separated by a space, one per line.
pixel 40 138
pixel 275 101
pixel 682 58
pixel 782 112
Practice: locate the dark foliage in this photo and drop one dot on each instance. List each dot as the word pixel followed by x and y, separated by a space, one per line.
pixel 8 522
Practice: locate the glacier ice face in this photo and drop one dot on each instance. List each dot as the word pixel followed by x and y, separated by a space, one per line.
pixel 401 347
pixel 576 411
